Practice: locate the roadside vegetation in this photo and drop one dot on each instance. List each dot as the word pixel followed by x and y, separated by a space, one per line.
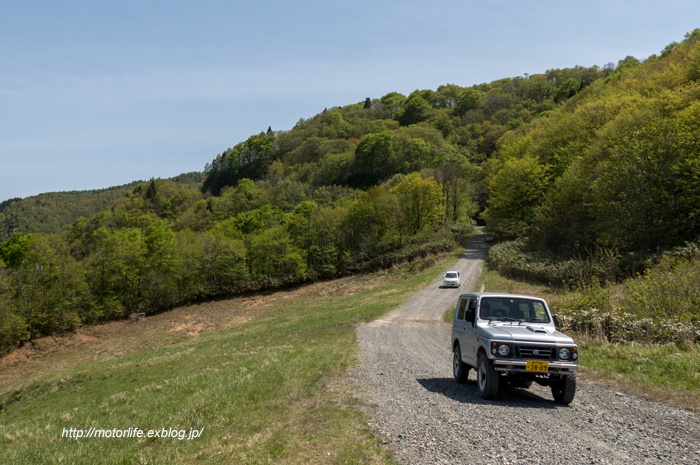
pixel 268 390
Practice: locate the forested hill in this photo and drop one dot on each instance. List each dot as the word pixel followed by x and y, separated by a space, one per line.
pixel 53 212
pixel 569 158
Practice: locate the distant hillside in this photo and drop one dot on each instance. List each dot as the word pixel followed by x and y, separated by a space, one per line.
pixel 618 165
pixel 52 212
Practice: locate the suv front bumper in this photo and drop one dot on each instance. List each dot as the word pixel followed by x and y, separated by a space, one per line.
pixel 518 366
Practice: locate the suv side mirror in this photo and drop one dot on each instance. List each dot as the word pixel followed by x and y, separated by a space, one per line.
pixel 556 321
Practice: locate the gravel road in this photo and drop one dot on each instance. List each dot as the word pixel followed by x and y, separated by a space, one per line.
pixel 425 417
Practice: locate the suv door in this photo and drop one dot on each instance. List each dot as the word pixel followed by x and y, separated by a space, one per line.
pixel 469 334
pixel 459 326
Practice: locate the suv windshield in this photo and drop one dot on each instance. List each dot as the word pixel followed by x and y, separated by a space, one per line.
pixel 513 309
pixel 451 275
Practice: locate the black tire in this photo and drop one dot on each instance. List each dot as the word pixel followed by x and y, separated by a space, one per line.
pixel 460 370
pixel 564 391
pixel 487 378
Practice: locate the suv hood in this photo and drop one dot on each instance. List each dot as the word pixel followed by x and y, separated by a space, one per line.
pixel 525 332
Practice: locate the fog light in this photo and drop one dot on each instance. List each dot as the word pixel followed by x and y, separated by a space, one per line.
pixel 575 356
pixel 493 351
pixel 503 350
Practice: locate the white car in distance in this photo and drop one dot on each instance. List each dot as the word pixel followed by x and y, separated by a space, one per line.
pixel 452 279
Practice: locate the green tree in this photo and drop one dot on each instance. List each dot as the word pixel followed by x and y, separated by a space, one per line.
pixel 414 110
pixel 421 201
pixel 469 99
pixel 273 253
pixel 515 191
pixel 369 220
pixel 375 159
pixel 457 191
pixel 392 100
pixel 648 194
pixel 568 89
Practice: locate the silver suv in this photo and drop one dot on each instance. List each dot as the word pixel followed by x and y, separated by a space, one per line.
pixel 512 339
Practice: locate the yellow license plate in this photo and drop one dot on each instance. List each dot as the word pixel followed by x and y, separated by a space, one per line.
pixel 534 365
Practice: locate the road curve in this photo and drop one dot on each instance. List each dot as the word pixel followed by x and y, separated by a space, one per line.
pixel 424 417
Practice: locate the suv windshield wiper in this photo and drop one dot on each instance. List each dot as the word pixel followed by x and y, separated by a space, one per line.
pixel 504 318
pixel 534 319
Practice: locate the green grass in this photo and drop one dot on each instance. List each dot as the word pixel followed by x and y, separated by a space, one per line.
pixel 267 391
pixel 668 372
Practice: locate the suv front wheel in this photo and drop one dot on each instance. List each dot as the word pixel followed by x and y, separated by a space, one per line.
pixel 487 378
pixel 564 390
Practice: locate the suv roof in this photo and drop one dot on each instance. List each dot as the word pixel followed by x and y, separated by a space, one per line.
pixel 500 294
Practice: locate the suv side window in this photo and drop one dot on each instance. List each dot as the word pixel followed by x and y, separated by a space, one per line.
pixel 462 308
pixel 471 311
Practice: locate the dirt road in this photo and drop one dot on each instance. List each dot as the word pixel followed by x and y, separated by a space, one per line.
pixel 425 417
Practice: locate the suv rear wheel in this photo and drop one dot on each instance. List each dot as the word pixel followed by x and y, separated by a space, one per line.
pixel 460 370
pixel 487 378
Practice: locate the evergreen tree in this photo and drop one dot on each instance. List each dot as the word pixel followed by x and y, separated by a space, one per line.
pixel 151 192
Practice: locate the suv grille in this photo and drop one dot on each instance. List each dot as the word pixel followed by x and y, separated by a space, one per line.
pixel 534 352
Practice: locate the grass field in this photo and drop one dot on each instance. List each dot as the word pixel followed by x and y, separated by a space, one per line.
pixel 263 376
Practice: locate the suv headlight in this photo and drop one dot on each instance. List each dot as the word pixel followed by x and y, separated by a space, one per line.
pixel 503 350
pixel 564 353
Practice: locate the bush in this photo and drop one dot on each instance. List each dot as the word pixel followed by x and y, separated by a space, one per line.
pixel 616 326
pixel 670 289
pixel 589 311
pixel 517 259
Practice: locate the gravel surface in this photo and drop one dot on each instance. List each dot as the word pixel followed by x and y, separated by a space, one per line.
pixel 423 416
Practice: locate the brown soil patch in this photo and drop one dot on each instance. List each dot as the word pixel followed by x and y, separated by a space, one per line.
pixel 80 337
pixel 13 355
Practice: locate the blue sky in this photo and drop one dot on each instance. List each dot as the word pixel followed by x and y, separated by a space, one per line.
pixel 96 94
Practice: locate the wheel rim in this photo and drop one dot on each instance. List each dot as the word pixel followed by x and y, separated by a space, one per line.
pixel 482 377
pixel 455 363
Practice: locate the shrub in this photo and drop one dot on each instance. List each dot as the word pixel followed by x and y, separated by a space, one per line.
pixel 616 326
pixel 670 289
pixel 589 311
pixel 517 259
